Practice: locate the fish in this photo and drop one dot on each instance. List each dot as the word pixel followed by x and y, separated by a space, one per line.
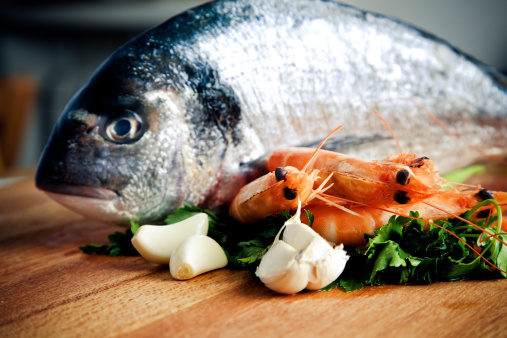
pixel 185 112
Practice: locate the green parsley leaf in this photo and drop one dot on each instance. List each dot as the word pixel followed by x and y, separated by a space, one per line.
pixel 134 226
pixel 310 217
pixel 248 244
pixel 119 245
pixel 402 251
pixel 182 214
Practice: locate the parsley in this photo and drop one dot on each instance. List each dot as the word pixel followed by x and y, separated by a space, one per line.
pixel 402 252
pixel 119 244
pixel 310 217
pixel 247 244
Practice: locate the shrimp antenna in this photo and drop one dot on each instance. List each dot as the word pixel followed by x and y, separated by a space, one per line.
pixel 431 205
pixel 319 194
pixel 438 226
pixel 466 221
pixel 341 207
pixel 320 146
pixel 374 109
pixel 448 131
pixel 463 241
pixel 444 127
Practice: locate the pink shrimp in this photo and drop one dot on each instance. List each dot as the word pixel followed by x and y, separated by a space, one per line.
pixel 399 179
pixel 342 227
pixel 363 195
pixel 278 190
pixel 272 193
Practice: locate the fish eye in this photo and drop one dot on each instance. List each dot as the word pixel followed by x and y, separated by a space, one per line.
pixel 126 128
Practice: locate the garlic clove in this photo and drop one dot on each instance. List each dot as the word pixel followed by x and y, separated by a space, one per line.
pixel 196 255
pixel 316 251
pixel 324 262
pixel 276 260
pixel 303 259
pixel 280 272
pixel 298 235
pixel 155 243
pixel 293 280
pixel 329 269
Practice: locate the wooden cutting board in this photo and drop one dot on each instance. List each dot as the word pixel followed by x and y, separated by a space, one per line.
pixel 48 288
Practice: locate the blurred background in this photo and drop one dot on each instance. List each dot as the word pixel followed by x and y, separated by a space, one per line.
pixel 47 52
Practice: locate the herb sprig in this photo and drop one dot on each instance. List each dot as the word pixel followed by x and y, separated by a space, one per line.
pixel 119 244
pixel 402 252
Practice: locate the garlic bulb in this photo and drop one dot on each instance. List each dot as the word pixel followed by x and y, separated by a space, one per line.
pixel 155 243
pixel 196 255
pixel 302 259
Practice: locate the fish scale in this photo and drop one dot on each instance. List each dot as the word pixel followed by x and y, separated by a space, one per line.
pixel 211 91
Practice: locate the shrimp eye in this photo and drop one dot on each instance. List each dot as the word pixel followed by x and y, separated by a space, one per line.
pixel 289 193
pixel 126 128
pixel 418 162
pixel 401 197
pixel 485 194
pixel 280 173
pixel 403 177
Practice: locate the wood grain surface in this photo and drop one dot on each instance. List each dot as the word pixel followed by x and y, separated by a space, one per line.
pixel 48 288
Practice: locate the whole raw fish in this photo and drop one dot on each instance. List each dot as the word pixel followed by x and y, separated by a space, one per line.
pixel 175 115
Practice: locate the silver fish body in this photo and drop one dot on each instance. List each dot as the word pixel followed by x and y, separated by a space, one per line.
pixel 176 115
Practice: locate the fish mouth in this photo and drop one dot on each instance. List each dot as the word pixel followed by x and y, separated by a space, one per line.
pixel 95 203
pixel 80 191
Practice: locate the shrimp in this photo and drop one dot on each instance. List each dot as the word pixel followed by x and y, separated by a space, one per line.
pixel 272 193
pixel 277 191
pixel 362 194
pixel 340 227
pixel 399 179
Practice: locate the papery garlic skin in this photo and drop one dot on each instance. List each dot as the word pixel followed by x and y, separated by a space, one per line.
pixel 155 243
pixel 302 259
pixel 196 255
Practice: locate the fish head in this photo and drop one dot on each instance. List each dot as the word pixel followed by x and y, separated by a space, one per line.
pixel 125 146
